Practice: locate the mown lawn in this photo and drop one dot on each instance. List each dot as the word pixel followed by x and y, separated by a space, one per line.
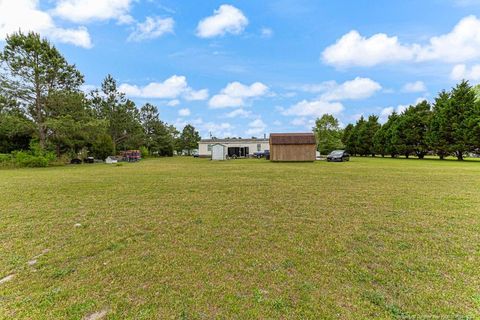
pixel 186 238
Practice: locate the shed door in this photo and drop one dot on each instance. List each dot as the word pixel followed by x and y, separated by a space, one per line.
pixel 218 153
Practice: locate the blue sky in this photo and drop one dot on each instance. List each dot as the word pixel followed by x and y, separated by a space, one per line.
pixel 245 68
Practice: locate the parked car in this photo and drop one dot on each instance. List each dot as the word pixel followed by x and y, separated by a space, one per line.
pixel 338 155
pixel 89 160
pixel 76 161
pixel 262 154
pixel 195 155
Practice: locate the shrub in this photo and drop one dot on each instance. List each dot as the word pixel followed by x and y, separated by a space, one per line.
pixel 5 160
pixel 102 147
pixel 5 157
pixel 36 157
pixel 61 161
pixel 144 152
pixel 25 159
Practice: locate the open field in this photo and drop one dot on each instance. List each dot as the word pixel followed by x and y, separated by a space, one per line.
pixel 194 239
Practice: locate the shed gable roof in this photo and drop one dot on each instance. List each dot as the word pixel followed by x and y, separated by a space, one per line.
pixel 292 138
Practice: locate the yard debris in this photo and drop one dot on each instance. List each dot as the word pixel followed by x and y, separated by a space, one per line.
pixel 32 262
pixel 44 251
pixel 77 225
pixel 7 278
pixel 97 315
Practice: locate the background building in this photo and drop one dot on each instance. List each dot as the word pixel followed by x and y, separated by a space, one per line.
pixel 235 146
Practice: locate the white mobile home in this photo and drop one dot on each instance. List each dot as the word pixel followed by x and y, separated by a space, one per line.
pixel 235 147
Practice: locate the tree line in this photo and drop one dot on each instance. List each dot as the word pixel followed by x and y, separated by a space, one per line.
pixel 448 126
pixel 43 109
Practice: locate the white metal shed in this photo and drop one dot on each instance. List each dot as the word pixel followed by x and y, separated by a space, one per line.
pixel 111 160
pixel 219 152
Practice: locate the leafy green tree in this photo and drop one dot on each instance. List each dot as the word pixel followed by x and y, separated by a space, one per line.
pixel 120 114
pixel 15 128
pixel 461 112
pixel 380 141
pixel 159 137
pixel 382 138
pixel 348 139
pixel 476 89
pixel 102 146
pixel 398 136
pixel 454 126
pixel 149 116
pixel 71 123
pixel 412 128
pixel 420 119
pixel 329 134
pixel 371 127
pixel 164 142
pixel 390 131
pixel 361 134
pixel 474 123
pixel 133 128
pixel 189 139
pixel 438 138
pixel 32 69
pixel 177 142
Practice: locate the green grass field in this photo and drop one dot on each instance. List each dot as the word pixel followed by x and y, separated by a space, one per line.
pixel 185 238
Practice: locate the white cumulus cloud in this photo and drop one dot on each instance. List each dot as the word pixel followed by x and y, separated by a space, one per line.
pixel 25 15
pixel 199 95
pixel 91 10
pixel 184 112
pixel 386 112
pixel 356 89
pixel 151 28
pixel 353 49
pixel 172 88
pixel 266 32
pixel 461 71
pixel 417 86
pixel 256 127
pixel 173 103
pixel 223 101
pixel 239 113
pixel 331 93
pixel 235 94
pixel 226 19
pixel 460 45
pixel 303 122
pixel 219 130
pixel 315 108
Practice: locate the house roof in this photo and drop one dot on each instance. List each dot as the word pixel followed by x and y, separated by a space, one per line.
pixel 292 138
pixel 211 141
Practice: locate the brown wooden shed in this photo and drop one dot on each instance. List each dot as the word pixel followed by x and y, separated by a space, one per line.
pixel 293 147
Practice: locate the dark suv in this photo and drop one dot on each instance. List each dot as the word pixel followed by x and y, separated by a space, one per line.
pixel 338 155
